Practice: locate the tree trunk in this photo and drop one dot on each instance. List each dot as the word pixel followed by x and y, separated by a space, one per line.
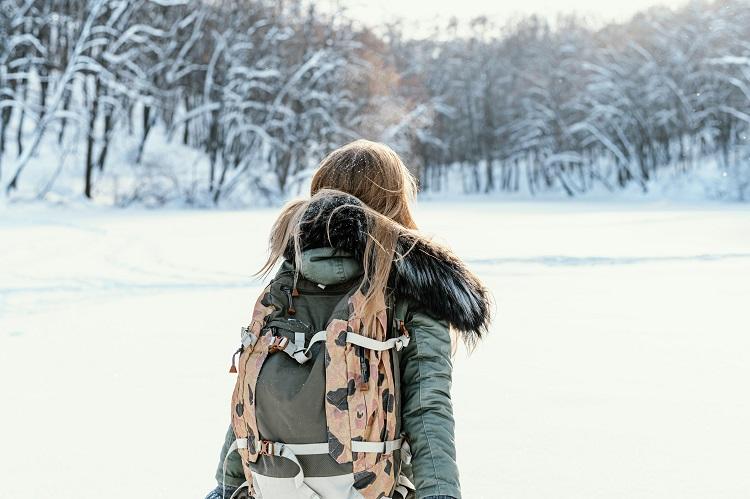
pixel 5 114
pixel 106 137
pixel 186 129
pixel 44 84
pixel 90 139
pixel 63 120
pixel 19 134
pixel 282 170
pixel 490 177
pixel 147 124
pixel 213 148
pixel 217 192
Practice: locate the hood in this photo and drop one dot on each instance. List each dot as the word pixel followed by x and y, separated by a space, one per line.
pixel 430 274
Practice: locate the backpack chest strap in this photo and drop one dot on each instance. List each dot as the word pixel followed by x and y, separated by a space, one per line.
pixel 370 344
pixel 301 353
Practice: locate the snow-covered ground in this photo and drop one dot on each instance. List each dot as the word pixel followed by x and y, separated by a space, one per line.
pixel 617 366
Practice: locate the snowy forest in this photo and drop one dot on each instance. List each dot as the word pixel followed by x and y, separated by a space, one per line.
pixel 235 101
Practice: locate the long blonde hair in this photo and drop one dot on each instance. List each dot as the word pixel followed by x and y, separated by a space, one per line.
pixel 374 174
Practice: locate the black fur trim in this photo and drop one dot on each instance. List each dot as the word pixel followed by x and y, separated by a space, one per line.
pixel 429 274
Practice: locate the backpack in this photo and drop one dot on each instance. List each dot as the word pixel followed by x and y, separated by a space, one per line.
pixel 316 407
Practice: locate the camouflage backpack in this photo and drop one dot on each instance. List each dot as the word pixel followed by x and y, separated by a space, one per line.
pixel 316 406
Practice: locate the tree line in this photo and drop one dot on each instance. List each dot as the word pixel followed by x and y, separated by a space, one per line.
pixel 263 89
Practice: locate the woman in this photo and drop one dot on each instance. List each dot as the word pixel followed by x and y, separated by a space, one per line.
pixel 354 242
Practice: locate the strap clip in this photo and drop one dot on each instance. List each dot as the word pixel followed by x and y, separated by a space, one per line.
pixel 402 342
pixel 278 343
pixel 265 448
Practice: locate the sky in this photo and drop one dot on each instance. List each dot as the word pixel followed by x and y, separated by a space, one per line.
pixel 429 11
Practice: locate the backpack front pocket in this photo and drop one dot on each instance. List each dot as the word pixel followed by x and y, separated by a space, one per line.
pixel 360 404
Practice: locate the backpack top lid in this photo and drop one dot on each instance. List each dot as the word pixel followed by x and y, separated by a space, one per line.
pixel 326 266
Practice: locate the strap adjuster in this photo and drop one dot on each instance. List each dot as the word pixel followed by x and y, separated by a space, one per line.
pixel 278 343
pixel 265 448
pixel 402 342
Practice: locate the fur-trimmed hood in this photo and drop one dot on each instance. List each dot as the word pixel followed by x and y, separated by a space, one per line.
pixel 430 274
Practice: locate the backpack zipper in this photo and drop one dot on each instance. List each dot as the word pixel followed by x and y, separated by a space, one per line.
pixel 295 292
pixel 364 367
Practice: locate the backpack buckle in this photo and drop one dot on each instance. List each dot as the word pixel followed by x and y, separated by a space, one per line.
pixel 266 448
pixel 278 343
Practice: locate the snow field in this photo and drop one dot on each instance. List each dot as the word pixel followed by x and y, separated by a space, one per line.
pixel 616 367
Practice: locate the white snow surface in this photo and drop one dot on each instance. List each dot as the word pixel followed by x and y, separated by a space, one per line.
pixel 617 365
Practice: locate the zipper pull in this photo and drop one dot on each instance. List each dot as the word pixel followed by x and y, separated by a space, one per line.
pixel 291 294
pixel 233 369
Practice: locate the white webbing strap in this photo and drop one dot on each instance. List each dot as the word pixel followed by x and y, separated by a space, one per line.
pixel 298 351
pixel 308 449
pixel 288 452
pixel 317 338
pixel 301 354
pixel 377 447
pixel 248 338
pixel 404 485
pixel 282 450
pixel 277 449
pixel 235 445
pixel 239 490
pixel 405 452
pixel 322 448
pixel 299 340
pixel 370 344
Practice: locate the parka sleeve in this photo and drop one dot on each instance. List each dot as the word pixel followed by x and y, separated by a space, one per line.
pixel 235 474
pixel 427 411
